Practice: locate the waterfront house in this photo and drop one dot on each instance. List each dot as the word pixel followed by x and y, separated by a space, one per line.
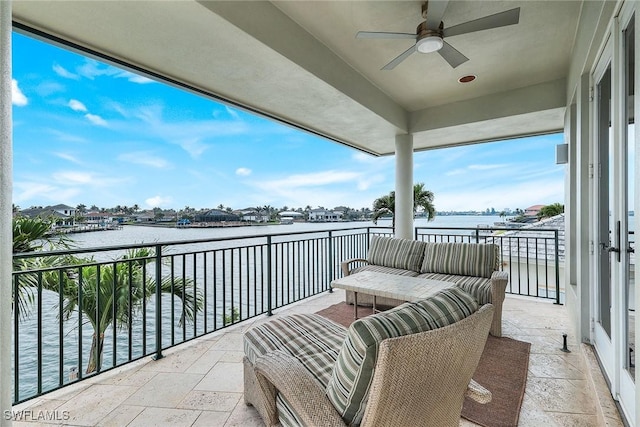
pixel 216 215
pixel 64 209
pixel 251 215
pixel 62 215
pixel 290 216
pixel 324 215
pixel 533 210
pixel 145 217
pixel 566 66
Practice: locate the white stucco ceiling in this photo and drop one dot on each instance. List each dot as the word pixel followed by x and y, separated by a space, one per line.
pixel 299 62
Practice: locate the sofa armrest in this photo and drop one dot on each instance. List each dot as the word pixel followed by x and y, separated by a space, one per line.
pixel 299 389
pixel 345 265
pixel 499 281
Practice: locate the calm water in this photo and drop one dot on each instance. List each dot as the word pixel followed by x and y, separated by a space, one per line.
pixel 131 234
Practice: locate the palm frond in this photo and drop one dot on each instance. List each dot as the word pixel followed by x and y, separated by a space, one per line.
pixel 192 299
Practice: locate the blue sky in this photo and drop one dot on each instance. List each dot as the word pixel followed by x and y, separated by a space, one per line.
pixel 86 132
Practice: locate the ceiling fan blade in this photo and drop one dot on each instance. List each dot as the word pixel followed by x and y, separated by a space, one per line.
pixel 382 35
pixel 404 55
pixel 451 55
pixel 435 12
pixel 502 19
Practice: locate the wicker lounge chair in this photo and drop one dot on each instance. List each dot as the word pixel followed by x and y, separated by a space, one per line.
pixel 419 379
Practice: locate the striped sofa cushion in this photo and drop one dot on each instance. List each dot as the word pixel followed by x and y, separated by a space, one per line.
pixel 463 259
pixel 386 270
pixel 396 253
pixel 312 339
pixel 353 372
pixel 478 287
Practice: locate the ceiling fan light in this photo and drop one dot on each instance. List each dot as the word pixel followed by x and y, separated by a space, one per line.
pixel 429 44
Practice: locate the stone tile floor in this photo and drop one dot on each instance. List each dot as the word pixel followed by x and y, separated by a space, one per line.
pixel 200 383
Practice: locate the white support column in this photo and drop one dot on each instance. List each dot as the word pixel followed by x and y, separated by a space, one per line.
pixel 404 187
pixel 6 230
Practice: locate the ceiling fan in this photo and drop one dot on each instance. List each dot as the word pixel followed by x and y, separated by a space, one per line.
pixel 430 34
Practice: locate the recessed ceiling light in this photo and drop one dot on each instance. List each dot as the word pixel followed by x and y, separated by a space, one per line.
pixel 467 79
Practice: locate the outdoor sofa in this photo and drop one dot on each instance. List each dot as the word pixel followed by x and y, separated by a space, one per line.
pixel 474 267
pixel 410 365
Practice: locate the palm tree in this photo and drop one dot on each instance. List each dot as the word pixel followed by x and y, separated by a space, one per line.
pixel 423 199
pixel 386 205
pixel 550 210
pixel 114 292
pixel 30 235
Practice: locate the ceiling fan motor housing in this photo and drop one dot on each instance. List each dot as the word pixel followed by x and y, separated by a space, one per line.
pixel 428 40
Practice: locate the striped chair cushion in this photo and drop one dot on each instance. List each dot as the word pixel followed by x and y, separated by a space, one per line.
pixel 463 259
pixel 312 339
pixel 478 287
pixel 396 253
pixel 286 415
pixel 349 385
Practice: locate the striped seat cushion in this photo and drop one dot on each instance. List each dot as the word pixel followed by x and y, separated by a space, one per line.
pixel 312 339
pixel 387 270
pixel 396 253
pixel 463 259
pixel 478 287
pixel 353 372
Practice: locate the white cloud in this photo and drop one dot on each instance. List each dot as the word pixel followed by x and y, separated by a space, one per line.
pixel 158 201
pixel 62 72
pixel 24 191
pixel 68 157
pixel 456 172
pixel 366 181
pixel 76 105
pixel 328 188
pixel 92 69
pixel 243 171
pixel 487 167
pixel 511 195
pixel 45 193
pixel 194 146
pixel 73 177
pixel 47 88
pixel 17 97
pixel 232 112
pixel 144 158
pixel 63 136
pixel 95 119
pixel 134 78
pixel 316 179
pixel 362 157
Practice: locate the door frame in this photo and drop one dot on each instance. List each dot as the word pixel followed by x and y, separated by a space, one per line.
pixel 612 351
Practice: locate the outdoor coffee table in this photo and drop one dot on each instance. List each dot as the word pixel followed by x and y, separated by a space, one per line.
pixel 404 288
